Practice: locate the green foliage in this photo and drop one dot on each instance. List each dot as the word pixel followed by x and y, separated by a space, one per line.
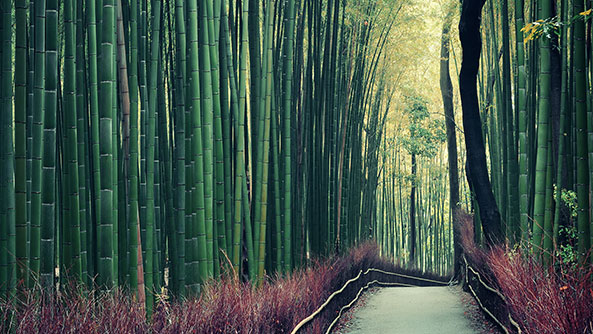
pixel 437 127
pixel 425 134
pixel 548 27
pixel 416 108
pixel 569 198
pixel 551 26
pixel 567 253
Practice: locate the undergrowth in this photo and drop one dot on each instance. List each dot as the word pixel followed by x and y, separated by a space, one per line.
pixel 542 298
pixel 225 306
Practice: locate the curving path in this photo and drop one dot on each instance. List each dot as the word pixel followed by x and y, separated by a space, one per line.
pixel 425 310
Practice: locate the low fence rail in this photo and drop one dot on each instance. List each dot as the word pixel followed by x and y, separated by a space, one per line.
pixel 365 280
pixel 491 301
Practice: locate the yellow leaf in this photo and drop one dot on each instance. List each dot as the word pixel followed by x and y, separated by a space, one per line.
pixel 526 27
pixel 585 13
pixel 530 36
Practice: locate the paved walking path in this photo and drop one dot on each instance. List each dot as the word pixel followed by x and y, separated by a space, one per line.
pixel 425 310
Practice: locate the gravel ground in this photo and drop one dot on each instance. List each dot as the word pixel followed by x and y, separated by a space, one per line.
pixel 415 310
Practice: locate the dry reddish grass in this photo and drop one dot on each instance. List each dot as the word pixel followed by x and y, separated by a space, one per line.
pixel 225 306
pixel 545 299
pixel 555 298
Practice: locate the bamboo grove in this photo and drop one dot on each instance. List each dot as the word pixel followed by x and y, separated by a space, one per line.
pixel 160 144
pixel 414 211
pixel 414 222
pixel 536 99
pixel 534 88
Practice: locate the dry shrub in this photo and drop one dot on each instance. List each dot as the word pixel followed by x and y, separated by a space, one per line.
pixel 74 311
pixel 554 298
pixel 544 299
pixel 225 306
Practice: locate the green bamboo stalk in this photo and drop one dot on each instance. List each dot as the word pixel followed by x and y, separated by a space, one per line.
pixel 116 152
pixel 150 156
pixel 38 116
pixel 20 139
pixel 198 198
pixel 116 147
pixel 63 235
pixel 542 135
pixel 157 189
pixel 547 245
pixel 180 205
pixel 249 242
pixel 29 129
pixel 167 134
pixel 239 121
pixel 207 127
pixel 105 245
pixel 3 220
pixel 499 127
pixel 71 141
pixel 179 150
pixel 191 237
pixel 564 118
pixel 165 146
pixel 48 199
pixel 522 124
pixel 264 153
pixel 7 154
pixel 582 163
pixel 227 72
pixel 94 135
pixel 513 215
pixel 213 13
pixel 166 152
pixel 276 248
pixel 255 62
pixel 123 251
pixel 143 74
pixel 64 230
pixel 133 213
pixel 160 142
pixel 258 119
pixel 286 134
pixel 83 144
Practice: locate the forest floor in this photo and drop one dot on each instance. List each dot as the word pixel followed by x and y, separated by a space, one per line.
pixel 416 310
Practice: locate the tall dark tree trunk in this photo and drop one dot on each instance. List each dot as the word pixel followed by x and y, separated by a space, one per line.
pixel 447 94
pixel 413 212
pixel 471 43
